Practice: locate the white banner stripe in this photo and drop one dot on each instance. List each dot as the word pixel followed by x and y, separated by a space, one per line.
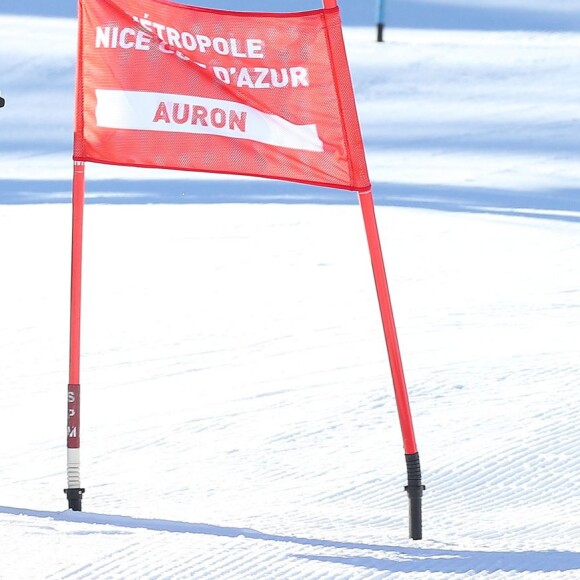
pixel 186 114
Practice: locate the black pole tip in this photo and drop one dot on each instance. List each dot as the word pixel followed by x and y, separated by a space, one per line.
pixel 415 490
pixel 2 102
pixel 415 493
pixel 75 498
pixel 380 28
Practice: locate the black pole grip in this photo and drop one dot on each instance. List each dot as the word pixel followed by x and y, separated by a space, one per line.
pixel 414 489
pixel 380 27
pixel 75 498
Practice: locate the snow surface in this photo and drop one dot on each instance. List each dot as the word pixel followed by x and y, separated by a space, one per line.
pixel 238 416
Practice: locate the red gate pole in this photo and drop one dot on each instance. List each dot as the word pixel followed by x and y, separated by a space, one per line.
pixel 74 492
pixel 414 487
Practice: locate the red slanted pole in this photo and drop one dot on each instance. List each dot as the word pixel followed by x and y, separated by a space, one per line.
pixel 74 491
pixel 414 487
pixel 390 330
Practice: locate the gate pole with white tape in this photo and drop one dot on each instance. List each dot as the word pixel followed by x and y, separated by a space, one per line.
pixel 74 491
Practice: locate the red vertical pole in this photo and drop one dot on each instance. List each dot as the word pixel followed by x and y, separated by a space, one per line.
pixel 74 492
pixel 388 320
pixel 414 486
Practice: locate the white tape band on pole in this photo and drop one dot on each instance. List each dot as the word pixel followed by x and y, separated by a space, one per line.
pixel 73 468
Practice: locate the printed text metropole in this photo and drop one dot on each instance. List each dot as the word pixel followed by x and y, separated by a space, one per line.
pixel 171 41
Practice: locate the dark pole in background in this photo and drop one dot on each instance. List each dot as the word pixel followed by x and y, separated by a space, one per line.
pixel 380 19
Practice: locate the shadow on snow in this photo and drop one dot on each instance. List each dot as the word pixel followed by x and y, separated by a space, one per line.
pixel 559 204
pixel 453 16
pixel 399 13
pixel 393 558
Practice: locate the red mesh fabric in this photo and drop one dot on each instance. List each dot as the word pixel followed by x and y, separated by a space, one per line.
pixel 171 86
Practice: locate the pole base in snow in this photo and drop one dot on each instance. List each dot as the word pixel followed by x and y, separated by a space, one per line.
pixel 75 498
pixel 380 27
pixel 414 490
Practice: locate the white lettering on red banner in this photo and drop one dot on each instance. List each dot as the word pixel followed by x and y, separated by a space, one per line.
pixel 185 114
pixel 166 85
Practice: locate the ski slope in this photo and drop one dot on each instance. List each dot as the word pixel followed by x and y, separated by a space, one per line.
pixel 238 419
